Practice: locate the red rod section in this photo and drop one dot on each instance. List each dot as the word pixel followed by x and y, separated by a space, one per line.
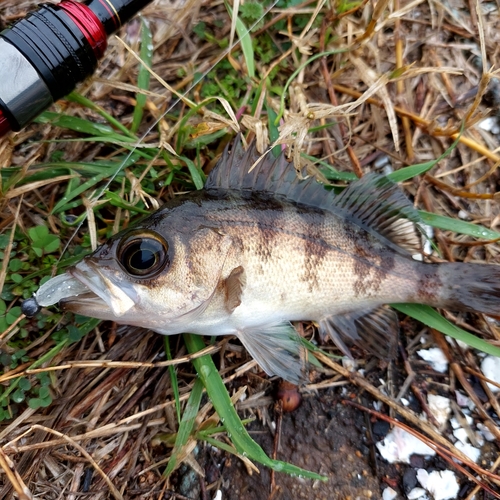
pixel 4 124
pixel 89 24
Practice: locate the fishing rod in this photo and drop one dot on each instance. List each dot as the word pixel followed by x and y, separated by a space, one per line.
pixel 47 53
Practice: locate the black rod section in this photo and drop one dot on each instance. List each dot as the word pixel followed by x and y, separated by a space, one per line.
pixel 47 53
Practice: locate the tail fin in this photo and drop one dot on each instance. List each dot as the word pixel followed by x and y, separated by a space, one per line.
pixel 470 287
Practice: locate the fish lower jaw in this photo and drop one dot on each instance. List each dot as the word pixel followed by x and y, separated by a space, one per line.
pixel 87 305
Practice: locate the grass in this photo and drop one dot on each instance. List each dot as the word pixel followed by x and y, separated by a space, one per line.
pixel 106 160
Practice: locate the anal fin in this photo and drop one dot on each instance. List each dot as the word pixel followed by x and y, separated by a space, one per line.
pixel 278 350
pixel 375 331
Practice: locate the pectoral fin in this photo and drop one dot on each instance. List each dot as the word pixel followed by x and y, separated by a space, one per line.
pixel 278 350
pixel 375 331
pixel 234 285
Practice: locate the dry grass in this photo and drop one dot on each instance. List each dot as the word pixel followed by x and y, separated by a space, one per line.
pixel 396 80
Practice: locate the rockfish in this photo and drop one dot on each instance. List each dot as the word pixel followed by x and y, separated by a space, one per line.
pixel 256 250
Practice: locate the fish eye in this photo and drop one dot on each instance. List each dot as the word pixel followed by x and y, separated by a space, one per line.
pixel 143 255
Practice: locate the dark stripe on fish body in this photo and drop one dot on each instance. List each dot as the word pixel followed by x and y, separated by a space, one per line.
pixel 429 284
pixel 371 265
pixel 315 249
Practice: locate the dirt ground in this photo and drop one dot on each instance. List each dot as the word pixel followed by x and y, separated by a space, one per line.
pixel 323 436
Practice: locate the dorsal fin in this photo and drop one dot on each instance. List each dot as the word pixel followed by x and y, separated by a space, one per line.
pixel 376 204
pixel 271 175
pixel 373 202
pixel 233 169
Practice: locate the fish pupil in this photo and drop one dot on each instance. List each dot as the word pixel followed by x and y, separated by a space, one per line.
pixel 143 256
pixel 143 259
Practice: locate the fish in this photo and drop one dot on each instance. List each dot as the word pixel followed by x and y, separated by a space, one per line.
pixel 259 248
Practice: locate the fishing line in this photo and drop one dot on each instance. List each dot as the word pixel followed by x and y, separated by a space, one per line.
pixel 155 123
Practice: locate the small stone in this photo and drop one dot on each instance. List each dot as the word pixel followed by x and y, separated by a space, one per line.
pixel 409 480
pixel 417 461
pixel 380 429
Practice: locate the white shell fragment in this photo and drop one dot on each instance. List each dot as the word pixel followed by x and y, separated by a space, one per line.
pixel 491 369
pixel 440 407
pixel 435 357
pixel 442 485
pixel 490 124
pixel 487 434
pixel 389 494
pixel 399 445
pixel 58 288
pixel 468 450
pixel 417 494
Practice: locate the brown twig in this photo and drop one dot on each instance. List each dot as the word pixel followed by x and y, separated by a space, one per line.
pixel 425 124
pixel 333 99
pixel 404 412
pixel 416 390
pixel 110 364
pixel 13 476
pixel 278 409
pixel 460 192
pixel 400 85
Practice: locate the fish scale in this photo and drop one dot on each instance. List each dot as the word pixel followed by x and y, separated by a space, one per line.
pixel 258 249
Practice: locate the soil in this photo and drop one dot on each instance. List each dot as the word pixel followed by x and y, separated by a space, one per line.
pixel 322 435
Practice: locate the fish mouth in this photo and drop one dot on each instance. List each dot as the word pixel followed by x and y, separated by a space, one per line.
pixel 106 295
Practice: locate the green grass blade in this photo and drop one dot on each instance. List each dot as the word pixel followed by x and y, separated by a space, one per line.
pixel 116 200
pixel 274 133
pixel 246 47
pixel 186 426
pixel 173 379
pixel 77 124
pixel 83 101
pixel 245 41
pixel 218 444
pixel 196 174
pixel 312 360
pixel 330 172
pixel 428 316
pixel 49 170
pixel 144 75
pixel 61 205
pixel 237 433
pixel 406 173
pixel 210 431
pixel 458 226
pixel 204 140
